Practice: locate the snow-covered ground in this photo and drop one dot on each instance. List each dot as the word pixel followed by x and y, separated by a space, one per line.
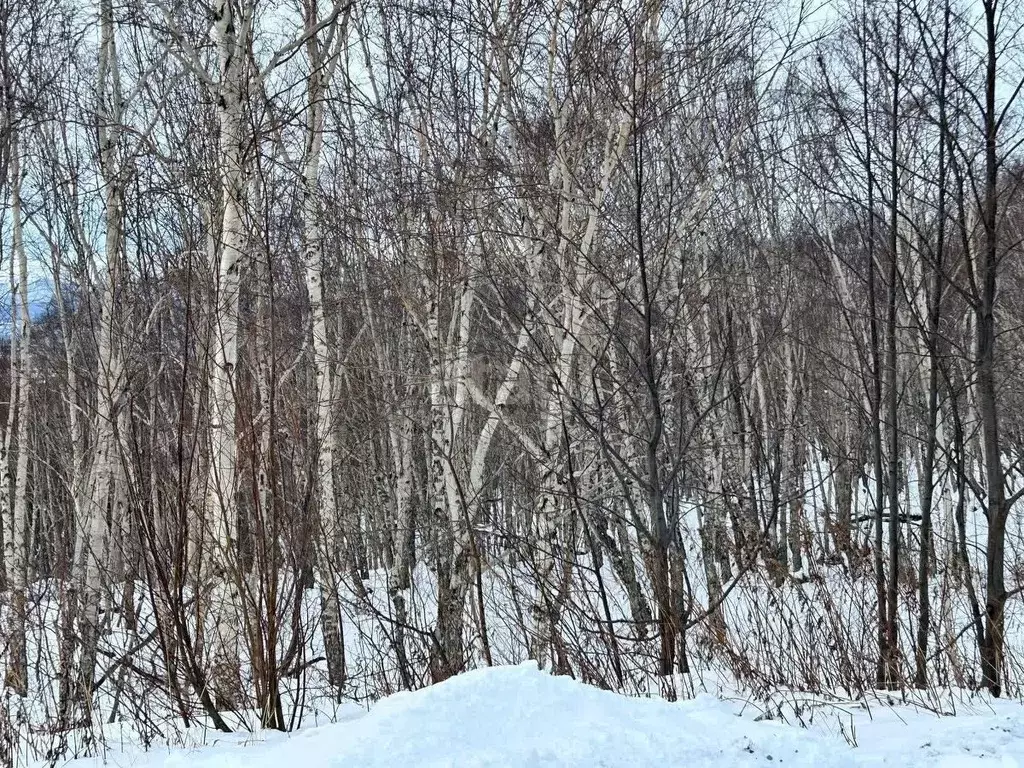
pixel 799 653
pixel 519 717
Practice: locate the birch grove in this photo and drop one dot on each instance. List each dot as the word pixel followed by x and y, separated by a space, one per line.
pixel 353 346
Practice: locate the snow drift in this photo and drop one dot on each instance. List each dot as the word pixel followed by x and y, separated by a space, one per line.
pixel 519 717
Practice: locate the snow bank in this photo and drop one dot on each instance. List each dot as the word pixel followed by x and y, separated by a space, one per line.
pixel 518 717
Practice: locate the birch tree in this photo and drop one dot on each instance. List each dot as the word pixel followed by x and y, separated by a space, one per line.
pixel 105 482
pixel 323 54
pixel 16 535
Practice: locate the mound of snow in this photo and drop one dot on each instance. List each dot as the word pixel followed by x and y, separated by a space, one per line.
pixel 519 717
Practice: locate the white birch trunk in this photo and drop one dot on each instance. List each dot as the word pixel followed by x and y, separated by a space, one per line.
pixel 400 573
pixel 104 477
pixel 321 66
pixel 446 656
pixel 545 609
pixel 229 31
pixel 69 578
pixel 9 437
pixel 787 486
pixel 16 535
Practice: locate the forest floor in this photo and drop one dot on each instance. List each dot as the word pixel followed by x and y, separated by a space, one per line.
pixel 519 717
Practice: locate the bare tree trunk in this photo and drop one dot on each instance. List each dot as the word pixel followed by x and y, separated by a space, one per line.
pixel 996 506
pixel 16 535
pixel 70 592
pixel 447 653
pixel 400 574
pixel 788 482
pixel 927 552
pixel 874 397
pixel 892 391
pixel 322 57
pixel 104 480
pixel 231 32
pixel 545 609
